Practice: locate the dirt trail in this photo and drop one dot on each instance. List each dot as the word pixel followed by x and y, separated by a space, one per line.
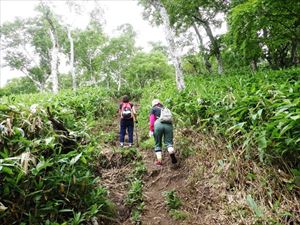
pixel 201 194
pixel 209 181
pixel 158 180
pixel 116 183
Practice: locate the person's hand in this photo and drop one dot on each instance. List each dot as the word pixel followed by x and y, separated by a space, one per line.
pixel 150 133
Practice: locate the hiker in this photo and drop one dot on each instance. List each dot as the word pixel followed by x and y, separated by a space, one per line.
pixel 161 127
pixel 128 116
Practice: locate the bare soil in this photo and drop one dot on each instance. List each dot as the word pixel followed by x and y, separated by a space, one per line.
pixel 199 192
pixel 211 184
pixel 199 199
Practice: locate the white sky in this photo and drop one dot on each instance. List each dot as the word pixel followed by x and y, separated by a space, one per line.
pixel 116 12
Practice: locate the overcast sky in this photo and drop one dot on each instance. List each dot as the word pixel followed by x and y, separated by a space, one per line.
pixel 116 12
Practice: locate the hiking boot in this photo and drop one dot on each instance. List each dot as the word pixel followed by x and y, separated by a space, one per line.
pixel 158 163
pixel 130 145
pixel 173 158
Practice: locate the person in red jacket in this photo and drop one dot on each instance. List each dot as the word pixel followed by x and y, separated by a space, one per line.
pixel 127 117
pixel 160 130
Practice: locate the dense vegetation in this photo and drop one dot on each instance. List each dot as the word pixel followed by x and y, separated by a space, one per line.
pixel 241 87
pixel 46 157
pixel 255 111
pixel 258 113
pixel 255 117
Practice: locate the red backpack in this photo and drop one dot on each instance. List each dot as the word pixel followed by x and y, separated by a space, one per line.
pixel 126 110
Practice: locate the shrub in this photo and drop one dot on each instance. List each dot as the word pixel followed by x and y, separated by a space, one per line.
pixel 44 169
pixel 257 111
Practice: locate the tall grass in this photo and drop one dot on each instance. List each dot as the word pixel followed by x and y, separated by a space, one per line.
pixel 40 179
pixel 259 112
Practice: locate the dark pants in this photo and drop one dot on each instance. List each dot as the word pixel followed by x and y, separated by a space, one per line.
pixel 126 125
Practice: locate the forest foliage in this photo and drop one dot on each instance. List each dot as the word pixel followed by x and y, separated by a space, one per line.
pixel 46 152
pixel 242 85
pixel 259 111
pixel 261 34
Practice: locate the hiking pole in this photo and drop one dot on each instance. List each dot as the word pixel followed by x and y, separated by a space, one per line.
pixel 136 135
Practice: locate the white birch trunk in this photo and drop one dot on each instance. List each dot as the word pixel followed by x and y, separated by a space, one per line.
pixel 171 44
pixel 72 59
pixel 54 60
pixel 39 85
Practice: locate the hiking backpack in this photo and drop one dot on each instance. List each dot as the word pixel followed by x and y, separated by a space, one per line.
pixel 126 110
pixel 165 115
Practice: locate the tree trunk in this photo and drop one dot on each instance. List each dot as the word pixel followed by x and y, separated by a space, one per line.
pixel 171 43
pixel 72 59
pixel 54 60
pixel 54 51
pixel 91 71
pixel 202 49
pixel 294 53
pixel 216 47
pixel 267 55
pixel 40 85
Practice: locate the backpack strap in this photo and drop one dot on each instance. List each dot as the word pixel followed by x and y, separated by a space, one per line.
pixel 127 105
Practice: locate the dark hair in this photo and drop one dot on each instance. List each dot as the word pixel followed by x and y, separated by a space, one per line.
pixel 125 98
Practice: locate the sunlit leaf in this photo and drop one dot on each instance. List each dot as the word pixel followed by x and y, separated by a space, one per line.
pixel 75 159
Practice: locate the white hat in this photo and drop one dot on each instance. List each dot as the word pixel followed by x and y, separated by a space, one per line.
pixel 155 102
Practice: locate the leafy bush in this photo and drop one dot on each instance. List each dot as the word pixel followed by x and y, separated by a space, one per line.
pixel 135 199
pixel 44 169
pixel 172 200
pixel 257 111
pixel 22 85
pixel 52 189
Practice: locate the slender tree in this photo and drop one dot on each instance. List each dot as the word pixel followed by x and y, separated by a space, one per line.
pixel 203 50
pixel 26 44
pixel 88 51
pixel 117 55
pixel 74 10
pixel 72 69
pixel 186 14
pixel 161 16
pixel 52 23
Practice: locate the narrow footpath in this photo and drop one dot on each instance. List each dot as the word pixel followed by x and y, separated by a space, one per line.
pixel 201 193
pixel 209 185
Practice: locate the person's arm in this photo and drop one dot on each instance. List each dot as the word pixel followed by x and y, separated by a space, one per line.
pixel 152 120
pixel 151 124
